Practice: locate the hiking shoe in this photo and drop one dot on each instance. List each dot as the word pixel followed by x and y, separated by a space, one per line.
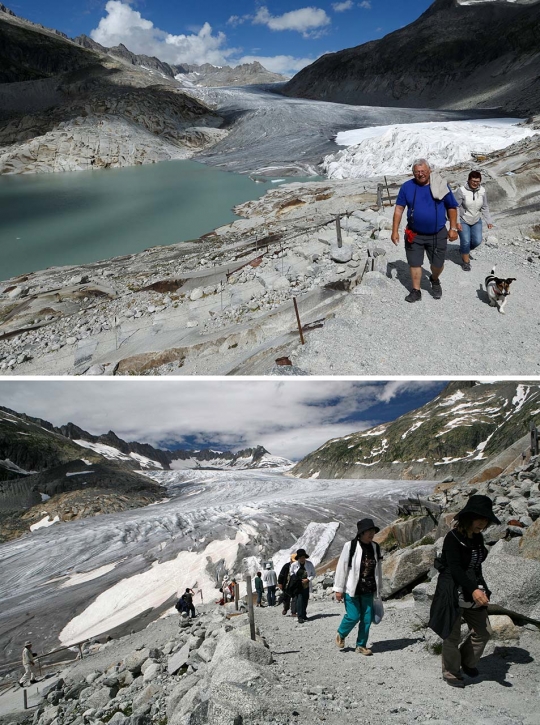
pixel 414 296
pixel 284 611
pixel 340 641
pixel 454 683
pixel 466 267
pixel 436 289
pixel 470 671
pixel 300 620
pixel 363 651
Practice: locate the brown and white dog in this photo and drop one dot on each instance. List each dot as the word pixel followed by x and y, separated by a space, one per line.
pixel 498 290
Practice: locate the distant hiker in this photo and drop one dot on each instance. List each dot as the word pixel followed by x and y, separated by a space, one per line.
pixel 301 574
pixel 462 592
pixel 472 200
pixel 188 598
pixel 259 588
pixel 428 200
pixel 29 665
pixel 181 606
pixel 270 583
pixel 283 581
pixel 358 581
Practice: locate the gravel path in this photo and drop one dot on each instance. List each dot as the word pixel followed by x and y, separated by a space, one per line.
pixel 376 332
pixel 401 684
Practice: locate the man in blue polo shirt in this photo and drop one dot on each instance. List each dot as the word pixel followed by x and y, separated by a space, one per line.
pixel 426 231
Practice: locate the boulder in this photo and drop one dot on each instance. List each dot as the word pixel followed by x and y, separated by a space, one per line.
pixel 232 703
pixel 178 660
pixel 187 683
pixel 423 596
pixel 412 530
pixel 207 649
pixel 240 672
pixel 233 644
pixel 144 697
pixel 341 254
pixel 99 698
pixel 152 672
pixel 406 566
pixel 514 581
pixel 445 524
pixel 135 660
pixel 503 627
pixel 529 546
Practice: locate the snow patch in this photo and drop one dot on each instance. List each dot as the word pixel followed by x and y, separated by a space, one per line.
pixel 87 576
pixel 389 149
pixel 44 523
pixel 315 540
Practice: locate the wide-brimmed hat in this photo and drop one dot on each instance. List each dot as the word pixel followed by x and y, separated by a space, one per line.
pixel 365 525
pixel 27 643
pixel 301 552
pixel 481 506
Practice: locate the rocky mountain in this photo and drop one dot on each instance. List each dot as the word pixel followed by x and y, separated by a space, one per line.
pixel 456 434
pixel 70 106
pixel 215 76
pixel 458 54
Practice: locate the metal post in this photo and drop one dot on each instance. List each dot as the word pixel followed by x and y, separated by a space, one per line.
pixel 338 232
pixel 236 596
pixel 25 698
pixel 80 651
pixel 298 321
pixel 251 613
pixel 115 332
pixel 380 203
pixel 388 191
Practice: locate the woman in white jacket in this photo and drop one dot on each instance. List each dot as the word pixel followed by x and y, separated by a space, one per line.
pixel 358 580
pixel 472 200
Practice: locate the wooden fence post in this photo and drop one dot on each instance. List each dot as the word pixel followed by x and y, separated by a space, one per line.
pixel 236 596
pixel 338 232
pixel 298 321
pixel 251 613
pixel 25 698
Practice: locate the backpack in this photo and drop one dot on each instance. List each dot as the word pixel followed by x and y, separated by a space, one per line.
pixel 352 551
pixel 181 605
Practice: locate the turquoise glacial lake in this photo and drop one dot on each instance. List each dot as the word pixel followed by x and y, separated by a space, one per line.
pixel 49 220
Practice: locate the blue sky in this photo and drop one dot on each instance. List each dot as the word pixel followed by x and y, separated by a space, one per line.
pixel 289 418
pixel 284 35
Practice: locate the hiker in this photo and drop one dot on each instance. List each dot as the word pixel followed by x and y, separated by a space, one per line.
pixel 358 582
pixel 473 204
pixel 283 581
pixel 270 583
pixel 29 665
pixel 259 588
pixel 462 592
pixel 301 574
pixel 188 598
pixel 429 200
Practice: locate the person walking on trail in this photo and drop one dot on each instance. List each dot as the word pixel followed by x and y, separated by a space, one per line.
pixel 283 583
pixel 259 588
pixel 301 575
pixel 429 201
pixel 358 581
pixel 462 592
pixel 29 665
pixel 270 584
pixel 473 204
pixel 188 598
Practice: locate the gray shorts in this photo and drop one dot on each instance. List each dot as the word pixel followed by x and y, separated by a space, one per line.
pixel 434 245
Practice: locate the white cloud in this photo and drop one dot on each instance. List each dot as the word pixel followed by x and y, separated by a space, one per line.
pixel 124 25
pixel 304 20
pixel 341 7
pixel 286 64
pixel 236 20
pixel 366 4
pixel 288 417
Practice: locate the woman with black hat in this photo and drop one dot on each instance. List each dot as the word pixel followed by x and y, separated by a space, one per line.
pixel 302 573
pixel 358 581
pixel 462 592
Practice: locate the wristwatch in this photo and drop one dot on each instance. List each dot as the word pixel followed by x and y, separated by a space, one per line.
pixel 454 229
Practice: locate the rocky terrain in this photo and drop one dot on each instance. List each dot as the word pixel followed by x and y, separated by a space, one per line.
pixel 241 75
pixel 209 671
pixel 459 433
pixel 456 55
pixel 70 107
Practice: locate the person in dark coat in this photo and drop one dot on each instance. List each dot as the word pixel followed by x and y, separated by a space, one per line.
pixel 187 596
pixel 283 581
pixel 462 592
pixel 259 588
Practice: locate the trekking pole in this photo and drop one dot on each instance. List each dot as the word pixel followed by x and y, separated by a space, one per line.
pixel 251 613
